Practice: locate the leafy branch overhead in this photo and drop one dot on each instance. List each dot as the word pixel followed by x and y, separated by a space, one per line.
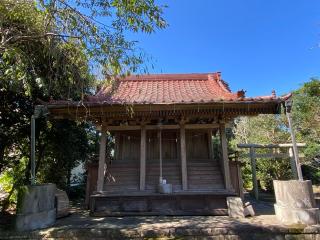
pixel 97 29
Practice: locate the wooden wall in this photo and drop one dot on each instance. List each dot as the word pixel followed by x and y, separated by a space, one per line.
pixel 171 167
pixel 197 145
pixel 123 172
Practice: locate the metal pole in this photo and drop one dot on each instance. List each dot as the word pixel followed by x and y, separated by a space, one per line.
pixel 293 164
pixel 288 105
pixel 33 150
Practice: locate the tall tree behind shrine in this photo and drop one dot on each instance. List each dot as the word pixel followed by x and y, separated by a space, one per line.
pixel 50 49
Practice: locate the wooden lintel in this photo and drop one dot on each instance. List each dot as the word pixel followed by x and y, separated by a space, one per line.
pixel 123 128
pixel 201 126
pixel 154 127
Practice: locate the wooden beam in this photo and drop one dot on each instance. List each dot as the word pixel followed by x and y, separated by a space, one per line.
pixel 183 155
pixel 102 157
pixel 143 158
pixel 254 173
pixel 281 145
pixel 154 127
pixel 122 128
pixel 271 155
pixel 225 158
pixel 201 126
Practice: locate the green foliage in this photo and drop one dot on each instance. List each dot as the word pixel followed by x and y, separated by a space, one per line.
pixel 66 146
pixel 48 50
pixel 306 116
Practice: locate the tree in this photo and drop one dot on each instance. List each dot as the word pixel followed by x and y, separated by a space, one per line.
pixel 48 50
pixel 99 28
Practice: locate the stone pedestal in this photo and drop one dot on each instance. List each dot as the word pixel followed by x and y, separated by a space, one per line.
pixel 295 202
pixel 62 203
pixel 235 207
pixel 35 208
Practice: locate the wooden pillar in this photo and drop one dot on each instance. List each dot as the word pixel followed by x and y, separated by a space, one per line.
pixel 225 157
pixel 160 157
pixel 183 155
pixel 254 173
pixel 210 145
pixel 116 145
pixel 143 158
pixel 102 159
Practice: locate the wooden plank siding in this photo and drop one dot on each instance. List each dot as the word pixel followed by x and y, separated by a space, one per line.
pixel 202 171
pixel 170 161
pixel 123 173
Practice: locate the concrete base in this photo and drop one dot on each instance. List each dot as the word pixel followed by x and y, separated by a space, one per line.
pixel 27 222
pixel 293 216
pixel 295 202
pixel 35 208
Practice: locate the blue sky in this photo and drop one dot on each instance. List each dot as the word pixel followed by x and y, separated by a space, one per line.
pixel 257 45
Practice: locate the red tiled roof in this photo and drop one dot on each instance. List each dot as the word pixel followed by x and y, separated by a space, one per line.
pixel 166 89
